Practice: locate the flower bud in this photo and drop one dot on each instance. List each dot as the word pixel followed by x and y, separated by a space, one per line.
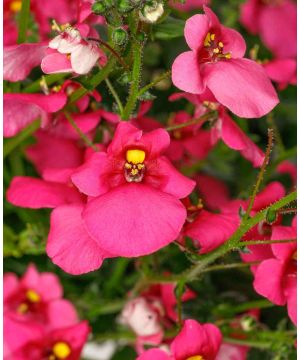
pixel 124 5
pixel 152 11
pixel 99 8
pixel 119 36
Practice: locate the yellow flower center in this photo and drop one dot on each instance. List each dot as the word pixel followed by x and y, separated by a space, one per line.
pixel 15 6
pixel 196 357
pixel 22 308
pixel 134 167
pixel 33 296
pixel 61 350
pixel 215 48
pixel 135 156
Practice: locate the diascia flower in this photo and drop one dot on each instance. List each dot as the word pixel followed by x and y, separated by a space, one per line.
pixel 194 342
pixel 275 21
pixel 276 277
pixel 70 51
pixel 37 298
pixel 216 62
pixel 135 184
pixel 24 341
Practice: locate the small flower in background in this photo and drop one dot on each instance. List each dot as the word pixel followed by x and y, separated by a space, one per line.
pixel 195 341
pixel 70 51
pixel 276 277
pixel 216 62
pixel 275 21
pixel 38 322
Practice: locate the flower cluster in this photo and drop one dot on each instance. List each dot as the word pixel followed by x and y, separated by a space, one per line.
pixel 145 155
pixel 38 322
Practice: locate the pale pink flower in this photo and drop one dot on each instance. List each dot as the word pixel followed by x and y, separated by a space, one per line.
pixel 216 62
pixel 70 51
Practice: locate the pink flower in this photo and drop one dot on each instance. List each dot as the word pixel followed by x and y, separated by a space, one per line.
pixel 22 109
pixel 211 230
pixel 37 298
pixel 194 340
pixel 26 341
pixel 71 52
pixel 216 62
pixel 19 60
pixel 289 168
pixel 276 277
pixel 134 183
pixel 276 23
pixel 223 128
pixel 282 71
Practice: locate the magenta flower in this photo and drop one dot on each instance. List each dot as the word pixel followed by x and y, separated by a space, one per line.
pixel 275 22
pixel 282 71
pixel 25 341
pixel 194 341
pixel 70 51
pixel 19 60
pixel 276 277
pixel 37 298
pixel 133 182
pixel 216 62
pixel 224 128
pixel 21 110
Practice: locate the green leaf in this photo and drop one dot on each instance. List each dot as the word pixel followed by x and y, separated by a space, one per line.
pixel 170 29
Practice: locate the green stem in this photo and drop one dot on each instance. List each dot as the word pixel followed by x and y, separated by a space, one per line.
pixel 230 266
pixel 11 144
pixel 261 172
pixel 208 116
pixel 256 304
pixel 23 21
pixel 50 79
pixel 153 83
pixel 95 81
pixel 264 242
pixel 233 241
pixel 114 94
pixel 86 140
pixel 251 343
pixel 134 88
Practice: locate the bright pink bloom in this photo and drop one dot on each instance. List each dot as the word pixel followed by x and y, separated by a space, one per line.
pixel 189 4
pixel 275 21
pixel 232 352
pixel 19 60
pixel 282 71
pixel 71 52
pixel 276 277
pixel 134 183
pixel 216 62
pixel 22 109
pixel 37 298
pixel 25 341
pixel 211 230
pixel 223 128
pixel 193 340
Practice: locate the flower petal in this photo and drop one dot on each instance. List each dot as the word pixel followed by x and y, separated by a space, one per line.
pixel 56 63
pixel 147 220
pixel 186 73
pixel 242 86
pixel 195 31
pixel 68 241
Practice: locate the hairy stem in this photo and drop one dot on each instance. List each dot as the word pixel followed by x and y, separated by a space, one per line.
pixel 134 87
pixel 156 81
pixel 208 116
pixel 114 94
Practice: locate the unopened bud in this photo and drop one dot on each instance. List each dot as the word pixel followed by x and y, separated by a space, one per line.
pixel 124 5
pixel 152 11
pixel 99 8
pixel 119 36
